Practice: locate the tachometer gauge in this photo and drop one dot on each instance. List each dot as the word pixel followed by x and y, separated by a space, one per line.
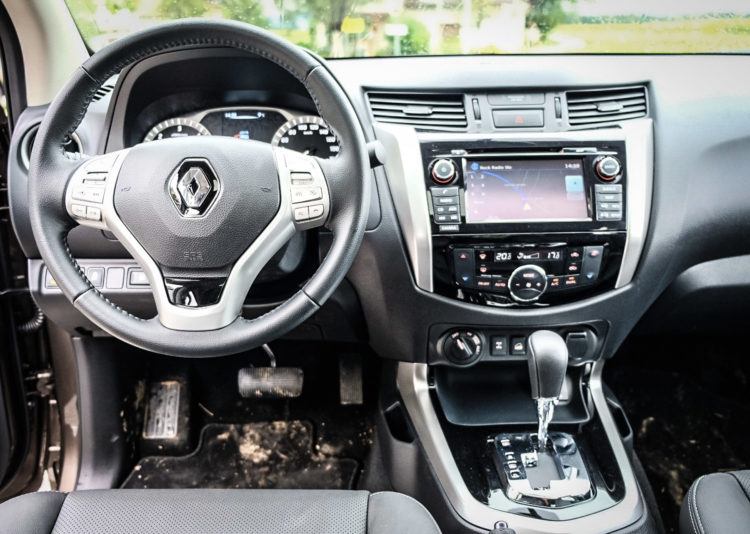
pixel 171 128
pixel 309 135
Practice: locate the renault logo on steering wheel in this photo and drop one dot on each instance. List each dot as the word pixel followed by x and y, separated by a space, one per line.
pixel 193 187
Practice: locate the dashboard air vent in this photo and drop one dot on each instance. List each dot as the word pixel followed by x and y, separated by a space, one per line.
pixel 606 105
pixel 73 146
pixel 432 111
pixel 103 91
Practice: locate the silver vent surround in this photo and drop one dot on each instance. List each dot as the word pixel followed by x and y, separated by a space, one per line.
pixel 444 112
pixel 27 144
pixel 606 106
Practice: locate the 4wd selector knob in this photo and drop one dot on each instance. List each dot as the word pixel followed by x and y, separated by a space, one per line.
pixel 607 168
pixel 443 171
pixel 527 283
pixel 462 346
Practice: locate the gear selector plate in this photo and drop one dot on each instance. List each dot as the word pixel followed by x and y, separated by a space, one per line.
pixel 553 476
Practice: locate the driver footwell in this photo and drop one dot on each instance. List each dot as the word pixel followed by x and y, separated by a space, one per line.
pixel 278 454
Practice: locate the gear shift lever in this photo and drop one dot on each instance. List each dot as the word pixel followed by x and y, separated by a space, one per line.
pixel 548 361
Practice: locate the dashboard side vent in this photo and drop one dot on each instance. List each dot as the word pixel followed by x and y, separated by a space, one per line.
pixel 103 91
pixel 606 105
pixel 424 111
pixel 72 146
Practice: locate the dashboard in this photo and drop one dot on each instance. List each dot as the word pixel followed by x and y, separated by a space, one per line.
pixel 666 225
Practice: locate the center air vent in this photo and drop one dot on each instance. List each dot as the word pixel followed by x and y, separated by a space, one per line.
pixel 606 105
pixel 444 112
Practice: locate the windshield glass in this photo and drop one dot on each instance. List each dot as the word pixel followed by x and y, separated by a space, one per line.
pixel 349 28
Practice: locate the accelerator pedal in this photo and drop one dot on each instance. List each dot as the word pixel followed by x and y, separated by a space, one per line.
pixel 270 382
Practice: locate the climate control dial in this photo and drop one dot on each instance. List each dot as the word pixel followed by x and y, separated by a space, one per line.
pixel 527 283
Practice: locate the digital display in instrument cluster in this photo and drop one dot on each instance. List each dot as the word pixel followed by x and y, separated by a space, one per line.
pixel 255 124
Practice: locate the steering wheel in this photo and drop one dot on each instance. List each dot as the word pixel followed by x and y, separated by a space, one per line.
pixel 200 215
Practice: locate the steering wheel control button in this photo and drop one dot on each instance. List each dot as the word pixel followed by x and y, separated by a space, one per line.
pixel 93 214
pixel 137 277
pixel 527 283
pixel 302 214
pixel 608 168
pixel 316 210
pixel 302 178
pixel 444 171
pixel 78 210
pixel 89 194
pixel 306 194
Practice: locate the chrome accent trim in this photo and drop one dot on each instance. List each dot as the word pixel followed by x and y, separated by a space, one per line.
pixel 412 384
pixel 639 147
pixel 405 175
pixel 485 155
pixel 406 181
pixel 281 228
pixel 27 143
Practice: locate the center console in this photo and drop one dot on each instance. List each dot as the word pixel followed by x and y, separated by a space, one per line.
pixel 533 230
pixel 523 226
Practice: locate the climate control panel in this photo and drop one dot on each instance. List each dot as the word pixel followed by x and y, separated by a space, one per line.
pixel 504 273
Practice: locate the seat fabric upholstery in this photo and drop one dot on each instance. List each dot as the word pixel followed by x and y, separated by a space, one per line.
pixel 215 511
pixel 717 504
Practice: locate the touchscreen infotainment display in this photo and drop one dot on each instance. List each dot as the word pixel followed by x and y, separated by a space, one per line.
pixel 525 191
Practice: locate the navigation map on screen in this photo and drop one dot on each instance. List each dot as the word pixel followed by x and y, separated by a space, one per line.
pixel 525 190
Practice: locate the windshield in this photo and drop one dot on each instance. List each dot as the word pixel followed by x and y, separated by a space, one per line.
pixel 360 28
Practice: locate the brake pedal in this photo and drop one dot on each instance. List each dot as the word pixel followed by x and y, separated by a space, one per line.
pixel 270 382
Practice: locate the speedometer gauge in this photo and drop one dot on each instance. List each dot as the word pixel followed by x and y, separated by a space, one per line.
pixel 309 135
pixel 175 128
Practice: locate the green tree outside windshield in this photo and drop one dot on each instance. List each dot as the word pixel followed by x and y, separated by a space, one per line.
pixel 362 28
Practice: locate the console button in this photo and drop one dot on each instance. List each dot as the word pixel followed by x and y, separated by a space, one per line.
pixel 554 283
pixel 608 168
pixel 527 283
pixel 443 171
pixel 518 346
pixel 463 262
pixel 440 210
pixel 444 191
pixel 575 253
pixel 484 281
pixel 592 263
pixel 445 201
pixel 136 277
pixel 511 118
pixel 608 188
pixel 499 283
pixel 95 276
pixel 115 277
pixel 573 267
pixel 499 346
pixel 609 215
pixel 608 197
pixel 570 281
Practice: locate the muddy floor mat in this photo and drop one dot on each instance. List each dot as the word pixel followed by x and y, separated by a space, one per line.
pixel 685 399
pixel 255 455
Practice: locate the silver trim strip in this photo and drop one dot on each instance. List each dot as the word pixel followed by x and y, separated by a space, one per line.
pixel 639 145
pixel 281 228
pixel 406 181
pixel 412 384
pixel 403 169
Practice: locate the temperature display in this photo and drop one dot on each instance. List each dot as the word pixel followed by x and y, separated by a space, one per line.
pixel 545 254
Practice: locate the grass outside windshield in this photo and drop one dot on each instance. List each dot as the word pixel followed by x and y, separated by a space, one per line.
pixel 360 28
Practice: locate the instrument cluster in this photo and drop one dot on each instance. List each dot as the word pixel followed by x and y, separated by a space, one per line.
pixel 308 134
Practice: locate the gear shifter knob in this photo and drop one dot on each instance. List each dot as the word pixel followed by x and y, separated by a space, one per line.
pixel 548 361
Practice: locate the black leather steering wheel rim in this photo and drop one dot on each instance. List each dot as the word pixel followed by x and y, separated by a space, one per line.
pixel 51 169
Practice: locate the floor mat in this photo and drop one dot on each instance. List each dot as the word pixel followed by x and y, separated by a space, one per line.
pixel 685 399
pixel 278 454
